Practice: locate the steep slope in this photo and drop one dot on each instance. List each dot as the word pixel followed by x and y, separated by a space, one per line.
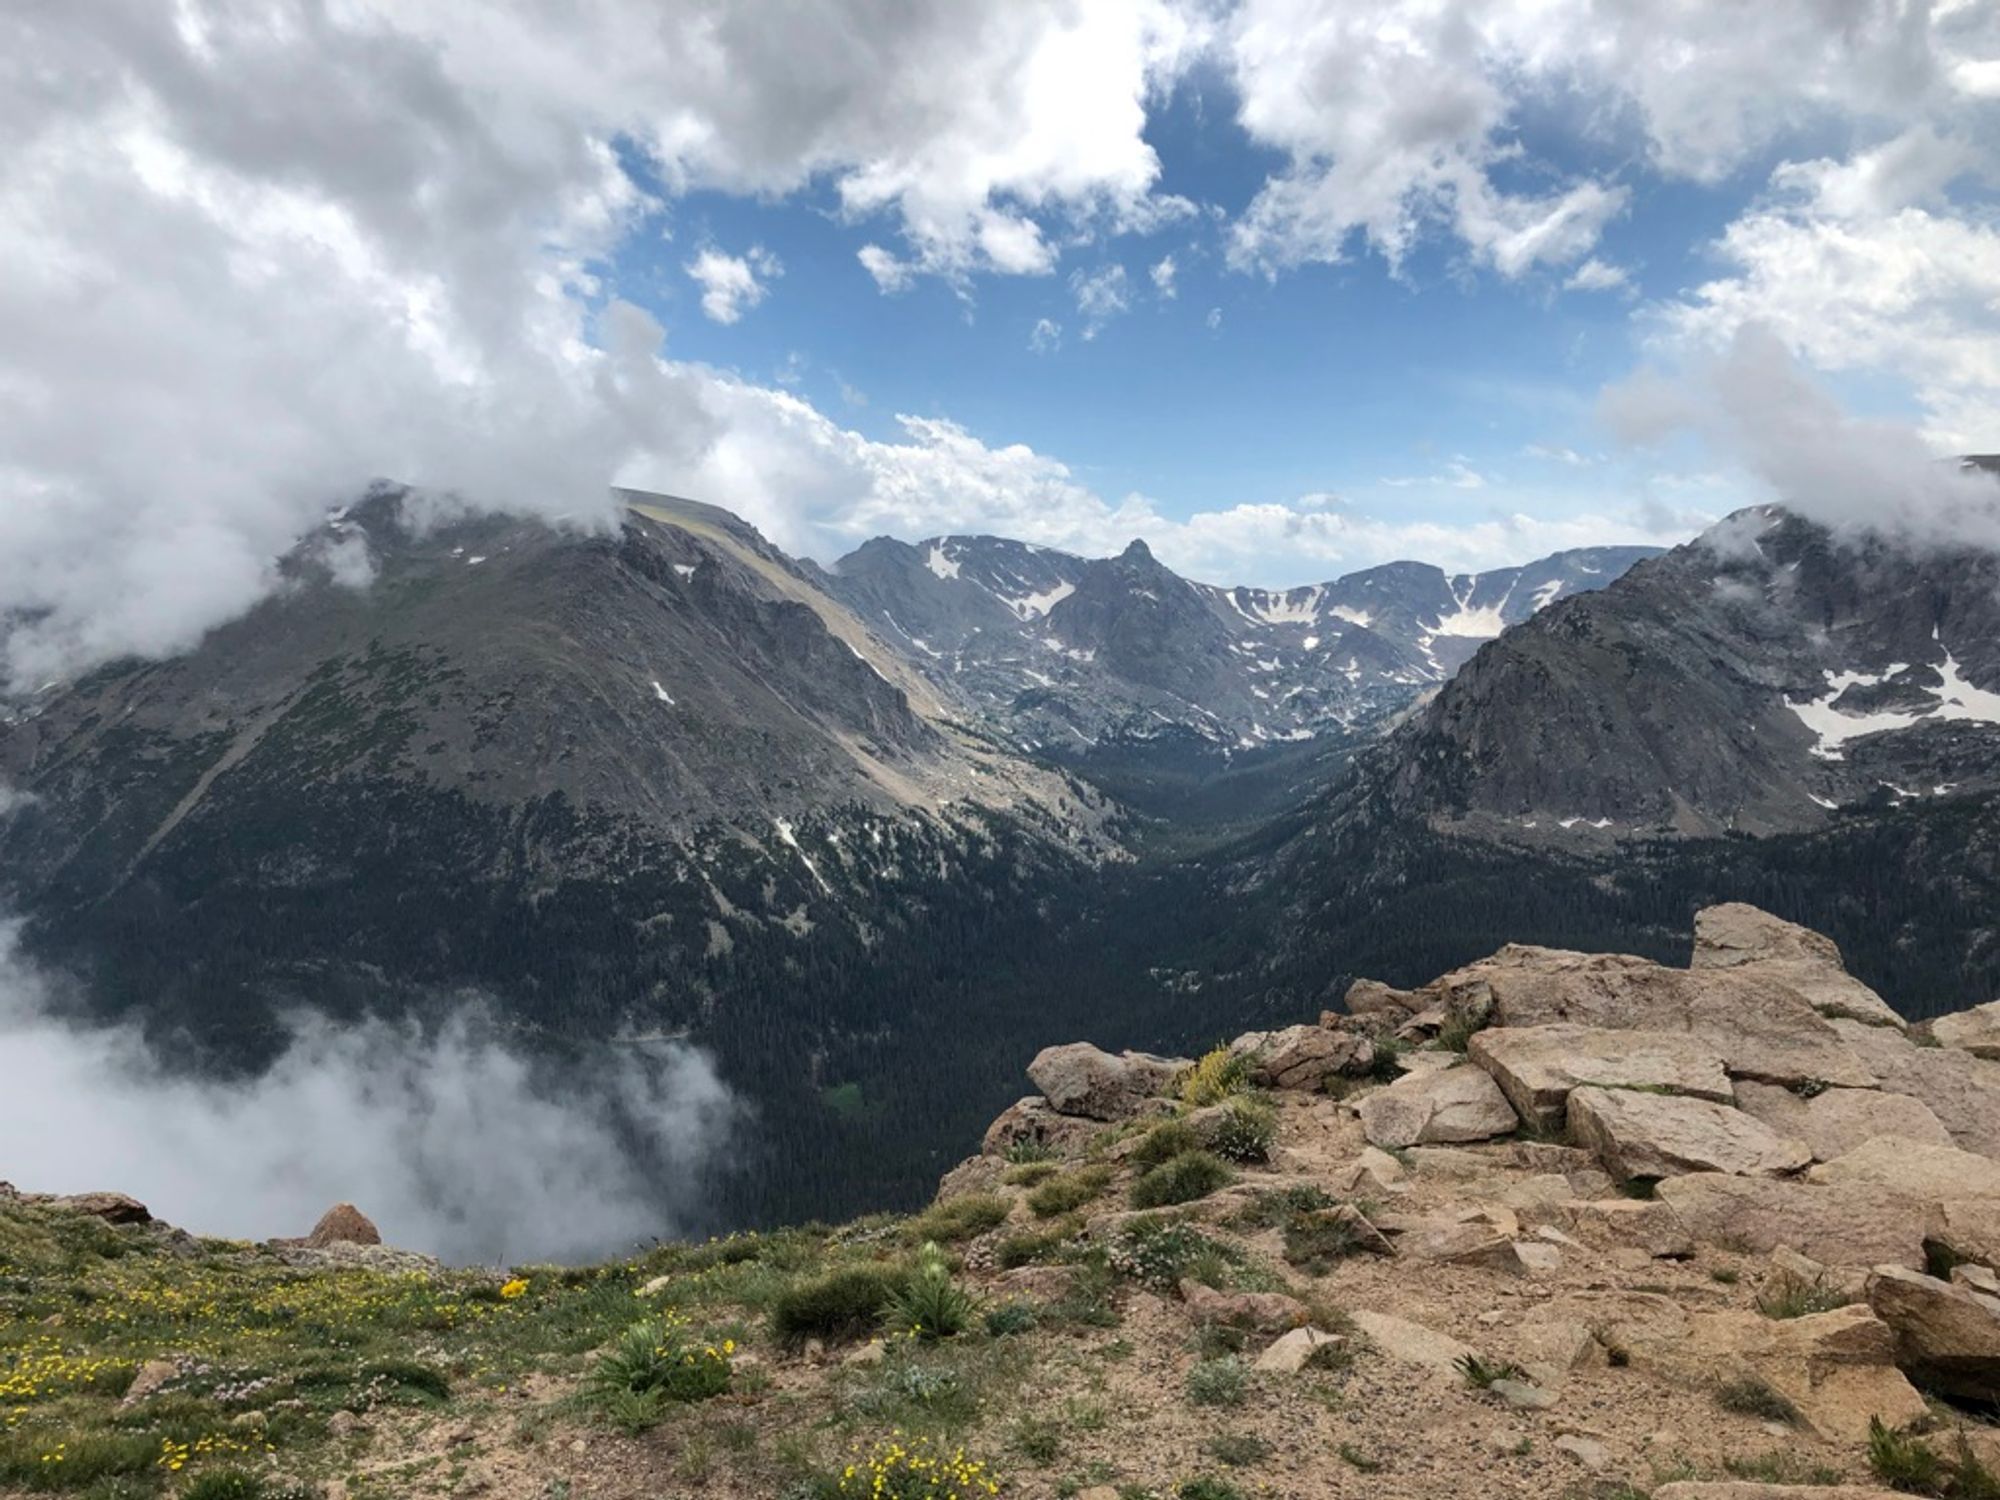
pixel 1761 679
pixel 645 782
pixel 1090 658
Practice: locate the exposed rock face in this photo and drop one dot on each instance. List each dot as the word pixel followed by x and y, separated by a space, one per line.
pixel 1410 1343
pixel 1738 936
pixel 1835 1122
pixel 1659 1135
pixel 1270 1311
pixel 1760 1028
pixel 113 1208
pixel 1079 1079
pixel 343 1224
pixel 1837 1224
pixel 1035 1119
pixel 1950 1334
pixel 1925 1171
pixel 1976 1031
pixel 1963 1091
pixel 1538 1066
pixel 1457 1104
pixel 1301 1057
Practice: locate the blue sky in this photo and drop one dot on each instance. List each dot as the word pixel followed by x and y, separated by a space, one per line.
pixel 1460 280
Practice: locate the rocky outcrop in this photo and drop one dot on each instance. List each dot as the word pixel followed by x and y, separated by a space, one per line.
pixel 1034 1120
pixel 1837 1224
pixel 1303 1057
pixel 112 1208
pixel 1963 1091
pixel 1976 1030
pixel 1079 1079
pixel 1949 1334
pixel 1752 941
pixel 1836 1121
pixel 1661 1135
pixel 343 1224
pixel 1456 1104
pixel 1913 1167
pixel 1538 1066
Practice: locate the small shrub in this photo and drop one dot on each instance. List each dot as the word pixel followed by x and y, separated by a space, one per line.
pixel 1028 1150
pixel 1159 1253
pixel 1218 1382
pixel 960 1218
pixel 915 1469
pixel 1239 1450
pixel 843 1303
pixel 1069 1192
pixel 1753 1398
pixel 1458 1029
pixel 1163 1142
pixel 1276 1206
pixel 1780 1467
pixel 930 1304
pixel 1037 1439
pixel 1724 1276
pixel 1792 1296
pixel 1202 1487
pixel 1480 1374
pixel 1027 1246
pixel 1903 1461
pixel 653 1363
pixel 1191 1175
pixel 1215 1077
pixel 1010 1318
pixel 1245 1131
pixel 1316 1242
pixel 226 1484
pixel 1030 1174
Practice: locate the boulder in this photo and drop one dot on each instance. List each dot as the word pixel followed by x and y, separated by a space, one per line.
pixel 343 1224
pixel 1968 1228
pixel 1976 1030
pixel 1838 1369
pixel 113 1208
pixel 1269 1312
pixel 1537 1066
pixel 1290 1353
pixel 154 1376
pixel 1469 1244
pixel 1079 1079
pixel 1303 1057
pixel 1627 1223
pixel 974 1175
pixel 1741 937
pixel 1372 1173
pixel 1410 1343
pixel 1948 1335
pixel 1761 1028
pixel 1963 1091
pixel 1836 1121
pixel 1915 1168
pixel 1458 1104
pixel 1035 1119
pixel 1371 1000
pixel 1660 1135
pixel 1837 1224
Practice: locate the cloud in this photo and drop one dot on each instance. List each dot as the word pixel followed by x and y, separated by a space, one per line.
pixel 1456 474
pixel 1163 273
pixel 1756 407
pixel 1555 454
pixel 1399 118
pixel 1214 319
pixel 732 283
pixel 1101 295
pixel 1046 336
pixel 1595 275
pixel 451 1141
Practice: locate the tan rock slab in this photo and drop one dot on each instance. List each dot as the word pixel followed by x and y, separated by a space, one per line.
pixel 1290 1353
pixel 1947 1334
pixel 1538 1066
pixel 1410 1343
pixel 1976 1030
pixel 1079 1079
pixel 1458 1104
pixel 1660 1135
pixel 1963 1091
pixel 1914 1167
pixel 1836 1121
pixel 1837 1224
pixel 1611 1223
pixel 1750 940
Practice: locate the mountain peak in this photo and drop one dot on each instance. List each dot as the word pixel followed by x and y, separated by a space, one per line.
pixel 1136 551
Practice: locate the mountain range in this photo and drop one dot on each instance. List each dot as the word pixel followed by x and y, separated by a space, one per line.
pixel 866 829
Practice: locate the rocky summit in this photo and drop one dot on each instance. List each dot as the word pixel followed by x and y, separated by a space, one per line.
pixel 1554 1223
